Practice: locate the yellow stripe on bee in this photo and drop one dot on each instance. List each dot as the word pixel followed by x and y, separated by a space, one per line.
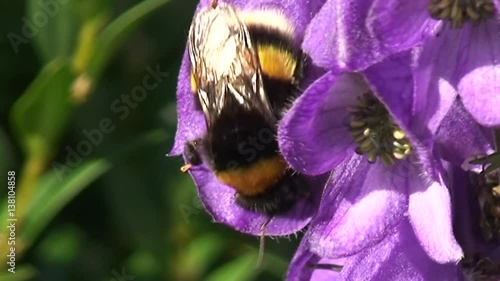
pixel 274 19
pixel 277 63
pixel 194 86
pixel 255 179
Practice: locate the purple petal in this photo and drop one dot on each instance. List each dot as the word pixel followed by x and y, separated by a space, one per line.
pixel 479 84
pixel 459 137
pixel 392 82
pixel 398 257
pixel 337 37
pixel 360 205
pixel 430 216
pixel 312 135
pixel 351 35
pixel 219 200
pixel 434 80
pixel 460 62
pixel 399 24
pixel 190 122
pixel 302 266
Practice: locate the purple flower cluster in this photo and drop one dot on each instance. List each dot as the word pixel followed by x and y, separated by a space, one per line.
pixel 404 94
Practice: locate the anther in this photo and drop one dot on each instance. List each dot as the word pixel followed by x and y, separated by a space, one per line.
pixel 375 133
pixel 460 11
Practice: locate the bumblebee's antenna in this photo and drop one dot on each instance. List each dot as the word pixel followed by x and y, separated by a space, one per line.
pixel 262 242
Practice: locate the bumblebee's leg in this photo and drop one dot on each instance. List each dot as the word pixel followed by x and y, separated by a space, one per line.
pixel 192 155
pixel 262 241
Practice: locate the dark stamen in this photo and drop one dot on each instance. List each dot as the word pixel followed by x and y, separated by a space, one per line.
pixel 480 268
pixel 460 11
pixel 488 190
pixel 375 133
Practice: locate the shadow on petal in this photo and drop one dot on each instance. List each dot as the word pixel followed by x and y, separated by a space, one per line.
pixel 361 204
pixel 459 136
pixel 313 136
pixel 398 257
pixel 398 24
pixel 479 72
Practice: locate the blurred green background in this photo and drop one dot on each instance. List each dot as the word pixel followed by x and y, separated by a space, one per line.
pixel 96 197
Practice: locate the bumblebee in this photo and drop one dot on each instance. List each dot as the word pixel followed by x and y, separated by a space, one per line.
pixel 244 72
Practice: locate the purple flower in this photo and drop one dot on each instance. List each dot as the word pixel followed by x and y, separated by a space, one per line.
pixel 374 113
pixel 217 198
pixel 399 256
pixel 458 55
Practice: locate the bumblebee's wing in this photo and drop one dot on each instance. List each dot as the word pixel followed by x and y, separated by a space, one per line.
pixel 224 63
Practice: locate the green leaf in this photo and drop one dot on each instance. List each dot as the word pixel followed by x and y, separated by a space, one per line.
pixel 242 268
pixel 199 254
pixel 275 265
pixel 54 25
pixel 23 273
pixel 144 264
pixel 61 245
pixel 39 116
pixel 57 194
pixel 490 162
pixel 54 191
pixel 113 36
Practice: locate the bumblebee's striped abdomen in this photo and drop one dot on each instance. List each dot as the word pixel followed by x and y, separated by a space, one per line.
pixel 257 178
pixel 278 62
pixel 280 57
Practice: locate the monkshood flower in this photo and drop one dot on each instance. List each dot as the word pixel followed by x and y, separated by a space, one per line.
pixel 217 198
pixel 378 138
pixel 397 257
pixel 459 41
